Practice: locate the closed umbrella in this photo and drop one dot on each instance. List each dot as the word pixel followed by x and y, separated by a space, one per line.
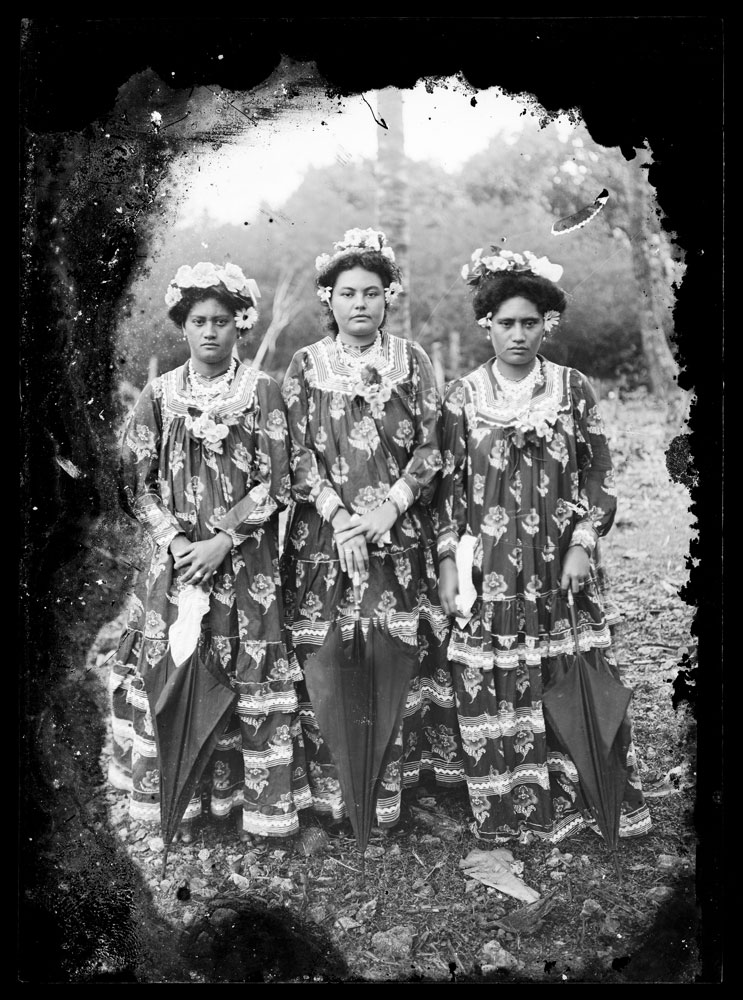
pixel 191 702
pixel 586 709
pixel 358 690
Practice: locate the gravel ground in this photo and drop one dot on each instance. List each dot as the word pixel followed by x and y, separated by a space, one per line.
pixel 306 910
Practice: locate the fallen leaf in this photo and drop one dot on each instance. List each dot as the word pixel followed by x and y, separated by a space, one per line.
pixel 659 893
pixel 609 928
pixel 347 923
pixel 443 826
pixel 366 911
pixel 313 839
pixel 495 868
pixel 667 861
pixel 527 919
pixel 496 957
pixel 285 884
pixel 591 910
pixel 240 881
pixel 317 913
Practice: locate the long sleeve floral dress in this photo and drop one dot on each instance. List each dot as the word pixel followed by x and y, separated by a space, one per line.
pixel 527 482
pixel 364 429
pixel 182 473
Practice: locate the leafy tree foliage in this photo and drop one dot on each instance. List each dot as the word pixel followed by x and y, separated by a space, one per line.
pixel 508 195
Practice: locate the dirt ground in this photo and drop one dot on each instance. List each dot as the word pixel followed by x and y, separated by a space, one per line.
pixel 303 910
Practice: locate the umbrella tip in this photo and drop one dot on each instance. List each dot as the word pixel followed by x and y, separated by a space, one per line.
pixel 617 867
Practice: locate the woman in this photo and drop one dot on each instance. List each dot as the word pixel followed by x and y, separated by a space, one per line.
pixel 206 471
pixel 363 416
pixel 528 485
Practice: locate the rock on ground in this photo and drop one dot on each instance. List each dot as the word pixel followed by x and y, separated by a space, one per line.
pixel 397 942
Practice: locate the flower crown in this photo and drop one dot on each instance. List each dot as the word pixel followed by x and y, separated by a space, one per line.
pixel 506 260
pixel 353 241
pixel 207 275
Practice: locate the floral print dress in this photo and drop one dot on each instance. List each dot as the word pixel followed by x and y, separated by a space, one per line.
pixel 197 467
pixel 526 483
pixel 364 428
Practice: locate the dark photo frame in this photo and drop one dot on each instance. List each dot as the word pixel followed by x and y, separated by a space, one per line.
pixel 87 211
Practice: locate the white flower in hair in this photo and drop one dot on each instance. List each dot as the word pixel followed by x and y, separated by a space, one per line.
pixel 551 319
pixel 485 321
pixel 510 255
pixel 182 277
pixel 208 275
pixel 356 239
pixel 507 260
pixel 495 263
pixel 324 294
pixel 232 278
pixel 203 275
pixel 394 289
pixel 548 270
pixel 246 318
pixel 173 295
pixel 543 267
pixel 368 239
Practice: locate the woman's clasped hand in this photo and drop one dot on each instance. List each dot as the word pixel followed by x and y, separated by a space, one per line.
pixel 197 562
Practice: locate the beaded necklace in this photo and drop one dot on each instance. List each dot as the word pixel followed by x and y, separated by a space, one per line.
pixel 207 391
pixel 357 357
pixel 518 392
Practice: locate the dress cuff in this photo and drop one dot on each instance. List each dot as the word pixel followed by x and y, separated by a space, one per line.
pixel 237 538
pixel 446 545
pixel 328 503
pixel 161 525
pixel 164 539
pixel 585 536
pixel 401 496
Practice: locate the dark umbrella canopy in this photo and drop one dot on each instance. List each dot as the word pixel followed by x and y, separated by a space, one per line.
pixel 358 691
pixel 586 709
pixel 191 706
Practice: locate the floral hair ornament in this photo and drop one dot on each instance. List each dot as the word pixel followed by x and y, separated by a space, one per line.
pixel 506 260
pixel 551 319
pixel 355 240
pixel 208 275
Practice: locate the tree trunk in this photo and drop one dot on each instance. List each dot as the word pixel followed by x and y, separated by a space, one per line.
pixel 438 365
pixel 661 366
pixel 455 354
pixel 393 200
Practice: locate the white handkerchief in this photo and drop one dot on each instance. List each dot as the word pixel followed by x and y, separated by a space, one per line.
pixel 193 604
pixel 467 593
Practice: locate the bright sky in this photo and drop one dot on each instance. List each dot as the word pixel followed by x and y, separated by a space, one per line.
pixel 442 126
